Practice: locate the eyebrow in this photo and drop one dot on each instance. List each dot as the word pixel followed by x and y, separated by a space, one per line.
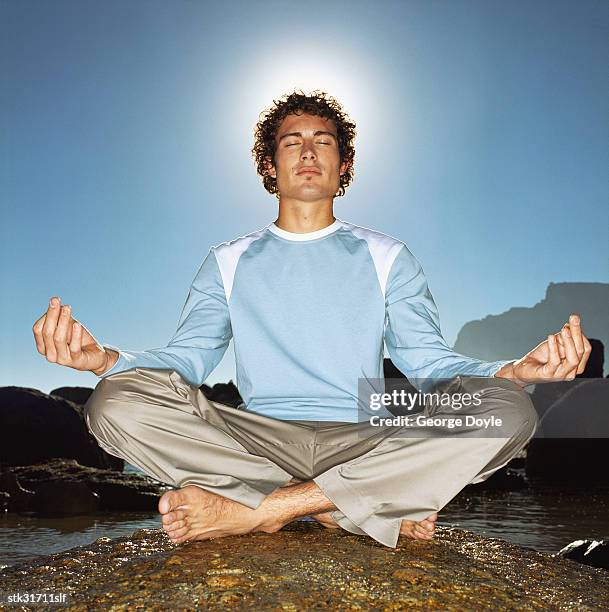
pixel 318 133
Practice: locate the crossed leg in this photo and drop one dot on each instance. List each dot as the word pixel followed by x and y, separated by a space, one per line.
pixel 192 513
pixel 417 530
pixel 147 417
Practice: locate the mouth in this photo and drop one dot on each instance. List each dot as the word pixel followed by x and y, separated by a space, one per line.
pixel 309 171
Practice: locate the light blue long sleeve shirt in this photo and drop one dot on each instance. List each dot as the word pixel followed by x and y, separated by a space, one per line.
pixel 308 314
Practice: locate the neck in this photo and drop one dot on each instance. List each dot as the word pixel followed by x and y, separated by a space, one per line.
pixel 301 217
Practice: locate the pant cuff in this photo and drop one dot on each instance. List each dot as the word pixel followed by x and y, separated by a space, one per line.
pixel 358 510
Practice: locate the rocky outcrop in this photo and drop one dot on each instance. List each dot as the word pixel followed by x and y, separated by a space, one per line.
pixel 223 393
pixel 572 440
pixel 305 567
pixel 590 552
pixel 35 427
pixel 78 395
pixel 513 333
pixel 62 486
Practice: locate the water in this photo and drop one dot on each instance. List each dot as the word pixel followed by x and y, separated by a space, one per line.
pixel 545 519
pixel 23 537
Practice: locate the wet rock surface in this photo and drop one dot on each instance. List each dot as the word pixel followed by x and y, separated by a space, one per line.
pixel 62 486
pixel 305 567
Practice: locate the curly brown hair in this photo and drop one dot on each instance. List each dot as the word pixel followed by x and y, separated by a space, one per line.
pixel 317 103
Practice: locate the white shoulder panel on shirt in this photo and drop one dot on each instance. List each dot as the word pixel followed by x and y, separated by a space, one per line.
pixel 227 256
pixel 383 249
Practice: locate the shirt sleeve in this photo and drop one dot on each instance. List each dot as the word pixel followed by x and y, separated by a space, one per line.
pixel 412 329
pixel 202 336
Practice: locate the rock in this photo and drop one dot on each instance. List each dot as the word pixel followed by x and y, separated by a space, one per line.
pixel 35 427
pixel 504 479
pixel 62 486
pixel 5 499
pixel 591 552
pixel 306 567
pixel 581 411
pixel 223 393
pixel 568 460
pixel 56 496
pixel 572 441
pixel 517 330
pixel 78 395
pixel 19 499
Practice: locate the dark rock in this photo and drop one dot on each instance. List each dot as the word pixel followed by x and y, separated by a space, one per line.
pixel 78 395
pixel 515 332
pixel 596 360
pixel 5 499
pixel 590 552
pixel 307 567
pixel 578 411
pixel 572 441
pixel 546 394
pixel 19 499
pixel 504 479
pixel 57 496
pixel 568 460
pixel 223 393
pixel 35 427
pixel 78 489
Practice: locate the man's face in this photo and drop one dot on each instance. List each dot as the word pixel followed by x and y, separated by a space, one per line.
pixel 307 164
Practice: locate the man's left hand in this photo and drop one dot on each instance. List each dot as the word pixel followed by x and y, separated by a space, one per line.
pixel 560 357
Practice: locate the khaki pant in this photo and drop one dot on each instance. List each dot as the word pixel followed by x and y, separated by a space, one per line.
pixel 374 476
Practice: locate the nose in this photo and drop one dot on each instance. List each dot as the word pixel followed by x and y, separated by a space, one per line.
pixel 308 152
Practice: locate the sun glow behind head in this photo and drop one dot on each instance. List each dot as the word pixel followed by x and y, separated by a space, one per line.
pixel 270 74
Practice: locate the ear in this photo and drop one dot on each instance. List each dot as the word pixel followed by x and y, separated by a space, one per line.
pixel 269 168
pixel 344 167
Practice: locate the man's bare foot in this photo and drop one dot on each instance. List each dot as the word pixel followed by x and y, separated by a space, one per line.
pixel 417 530
pixel 192 513
pixel 325 519
pixel 292 482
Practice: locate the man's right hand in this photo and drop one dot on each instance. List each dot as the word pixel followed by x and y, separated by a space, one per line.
pixel 65 341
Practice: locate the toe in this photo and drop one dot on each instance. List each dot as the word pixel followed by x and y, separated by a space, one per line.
pixel 167 502
pixel 422 533
pixel 175 526
pixel 180 535
pixel 407 528
pixel 172 517
pixel 170 500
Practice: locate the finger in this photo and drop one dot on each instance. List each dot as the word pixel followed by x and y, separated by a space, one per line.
pixel 587 351
pixel 561 346
pixel 570 363
pixel 37 329
pixel 61 336
pixel 48 329
pixel 553 357
pixel 577 334
pixel 76 342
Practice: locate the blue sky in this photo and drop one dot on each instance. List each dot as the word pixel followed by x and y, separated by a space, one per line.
pixel 127 128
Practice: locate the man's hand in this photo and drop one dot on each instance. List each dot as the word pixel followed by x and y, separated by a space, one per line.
pixel 560 357
pixel 65 341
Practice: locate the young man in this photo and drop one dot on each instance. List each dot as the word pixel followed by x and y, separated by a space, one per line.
pixel 309 301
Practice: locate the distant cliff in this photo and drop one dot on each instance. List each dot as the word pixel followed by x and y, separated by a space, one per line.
pixel 511 334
